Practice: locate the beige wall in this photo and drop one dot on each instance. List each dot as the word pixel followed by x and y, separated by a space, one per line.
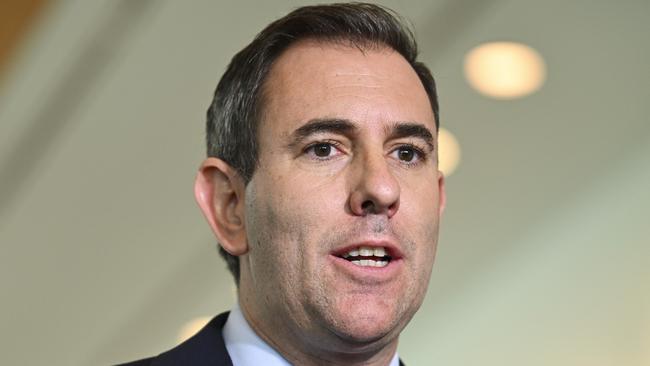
pixel 544 256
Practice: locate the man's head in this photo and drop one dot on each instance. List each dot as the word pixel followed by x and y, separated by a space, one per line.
pixel 322 184
pixel 237 107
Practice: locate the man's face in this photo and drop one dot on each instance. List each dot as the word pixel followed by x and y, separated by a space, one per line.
pixel 347 161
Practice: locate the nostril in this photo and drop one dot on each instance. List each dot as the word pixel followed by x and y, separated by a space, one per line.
pixel 367 205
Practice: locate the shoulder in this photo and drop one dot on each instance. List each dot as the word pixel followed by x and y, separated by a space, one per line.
pixel 144 362
pixel 204 348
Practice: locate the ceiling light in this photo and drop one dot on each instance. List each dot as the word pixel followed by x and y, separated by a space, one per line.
pixel 504 70
pixel 448 152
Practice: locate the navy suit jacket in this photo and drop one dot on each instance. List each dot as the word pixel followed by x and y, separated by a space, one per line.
pixel 205 348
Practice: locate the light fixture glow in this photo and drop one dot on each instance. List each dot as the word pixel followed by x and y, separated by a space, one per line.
pixel 448 152
pixel 192 327
pixel 504 70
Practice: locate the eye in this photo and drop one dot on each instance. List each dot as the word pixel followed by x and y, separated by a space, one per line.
pixel 322 150
pixel 408 154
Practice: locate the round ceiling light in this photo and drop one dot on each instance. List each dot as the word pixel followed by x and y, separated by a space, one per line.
pixel 505 70
pixel 448 152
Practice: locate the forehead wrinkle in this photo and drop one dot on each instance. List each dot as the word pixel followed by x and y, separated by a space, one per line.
pixel 359 75
pixel 347 85
pixel 359 78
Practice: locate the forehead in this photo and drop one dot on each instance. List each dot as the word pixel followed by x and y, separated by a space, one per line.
pixel 314 79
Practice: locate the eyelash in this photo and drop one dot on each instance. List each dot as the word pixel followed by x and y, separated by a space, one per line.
pixel 421 155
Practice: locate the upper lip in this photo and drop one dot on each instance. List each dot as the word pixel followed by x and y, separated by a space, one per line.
pixel 392 249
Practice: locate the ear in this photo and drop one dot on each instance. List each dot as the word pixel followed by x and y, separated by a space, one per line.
pixel 219 191
pixel 442 200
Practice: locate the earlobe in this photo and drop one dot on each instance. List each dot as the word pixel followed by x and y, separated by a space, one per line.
pixel 219 190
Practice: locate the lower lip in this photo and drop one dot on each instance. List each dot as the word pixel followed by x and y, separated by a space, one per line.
pixel 367 273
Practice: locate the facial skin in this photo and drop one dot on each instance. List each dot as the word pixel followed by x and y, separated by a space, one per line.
pixel 344 161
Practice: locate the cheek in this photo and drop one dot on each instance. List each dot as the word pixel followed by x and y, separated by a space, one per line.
pixel 279 221
pixel 419 205
pixel 307 198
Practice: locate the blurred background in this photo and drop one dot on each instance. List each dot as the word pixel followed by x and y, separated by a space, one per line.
pixel 544 257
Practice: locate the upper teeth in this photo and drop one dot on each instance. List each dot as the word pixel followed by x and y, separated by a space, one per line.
pixel 366 252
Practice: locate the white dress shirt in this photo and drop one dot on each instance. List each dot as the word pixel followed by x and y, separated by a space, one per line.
pixel 246 348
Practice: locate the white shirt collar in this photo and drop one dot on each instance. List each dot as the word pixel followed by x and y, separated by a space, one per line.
pixel 246 348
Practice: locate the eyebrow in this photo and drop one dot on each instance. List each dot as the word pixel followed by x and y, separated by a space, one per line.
pixel 346 127
pixel 411 129
pixel 322 125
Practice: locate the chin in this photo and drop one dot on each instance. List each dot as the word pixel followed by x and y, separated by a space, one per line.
pixel 365 335
pixel 364 323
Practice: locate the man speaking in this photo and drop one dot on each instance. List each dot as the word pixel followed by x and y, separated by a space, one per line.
pixel 323 190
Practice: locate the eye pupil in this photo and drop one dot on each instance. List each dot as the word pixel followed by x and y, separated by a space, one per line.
pixel 322 150
pixel 406 154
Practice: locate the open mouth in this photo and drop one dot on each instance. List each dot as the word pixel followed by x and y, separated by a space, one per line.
pixel 367 256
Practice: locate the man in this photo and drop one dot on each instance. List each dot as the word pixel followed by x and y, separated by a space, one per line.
pixel 323 190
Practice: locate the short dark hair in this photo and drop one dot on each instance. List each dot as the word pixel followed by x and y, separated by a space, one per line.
pixel 235 111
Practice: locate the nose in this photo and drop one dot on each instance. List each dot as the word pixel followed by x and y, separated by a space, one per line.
pixel 375 190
